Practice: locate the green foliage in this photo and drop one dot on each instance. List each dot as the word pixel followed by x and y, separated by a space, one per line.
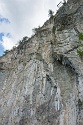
pixel 5 52
pixel 50 13
pixel 20 42
pixel 81 45
pixel 80 52
pixel 35 30
pixel 25 39
pixel 80 36
pixel 80 103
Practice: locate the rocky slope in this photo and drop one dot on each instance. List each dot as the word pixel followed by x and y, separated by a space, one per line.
pixel 41 81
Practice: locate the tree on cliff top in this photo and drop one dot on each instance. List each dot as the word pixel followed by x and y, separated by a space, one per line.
pixel 5 52
pixel 50 13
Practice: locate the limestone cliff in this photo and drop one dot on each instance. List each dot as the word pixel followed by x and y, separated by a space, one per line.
pixel 41 81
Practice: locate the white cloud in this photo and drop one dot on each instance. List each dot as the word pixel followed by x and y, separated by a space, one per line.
pixel 23 15
pixel 7 43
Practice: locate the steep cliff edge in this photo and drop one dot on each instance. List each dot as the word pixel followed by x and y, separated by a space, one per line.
pixel 41 81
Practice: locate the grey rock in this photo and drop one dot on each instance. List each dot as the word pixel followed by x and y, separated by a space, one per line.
pixel 41 82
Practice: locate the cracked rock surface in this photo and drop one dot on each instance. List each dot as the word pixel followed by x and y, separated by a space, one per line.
pixel 41 81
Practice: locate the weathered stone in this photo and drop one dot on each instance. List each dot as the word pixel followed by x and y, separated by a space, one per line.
pixel 41 81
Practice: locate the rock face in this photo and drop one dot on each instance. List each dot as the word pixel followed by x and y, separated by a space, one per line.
pixel 41 81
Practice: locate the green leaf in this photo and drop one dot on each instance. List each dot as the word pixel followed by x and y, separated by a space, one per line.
pixel 80 36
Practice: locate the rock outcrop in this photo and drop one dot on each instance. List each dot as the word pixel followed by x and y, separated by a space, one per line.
pixel 41 80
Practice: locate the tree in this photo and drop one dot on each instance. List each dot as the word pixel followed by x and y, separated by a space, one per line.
pixel 50 13
pixel 20 42
pixel 35 30
pixel 25 38
pixel 5 52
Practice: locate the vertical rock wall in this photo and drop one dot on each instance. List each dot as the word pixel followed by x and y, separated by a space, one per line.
pixel 41 82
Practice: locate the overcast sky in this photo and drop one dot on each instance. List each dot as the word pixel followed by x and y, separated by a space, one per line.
pixel 19 17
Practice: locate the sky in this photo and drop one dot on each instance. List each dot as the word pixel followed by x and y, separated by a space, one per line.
pixel 19 17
